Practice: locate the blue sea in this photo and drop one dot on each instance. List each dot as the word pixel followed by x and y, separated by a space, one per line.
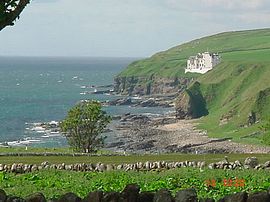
pixel 34 90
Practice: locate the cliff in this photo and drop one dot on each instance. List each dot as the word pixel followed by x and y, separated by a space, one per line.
pixel 191 103
pixel 146 86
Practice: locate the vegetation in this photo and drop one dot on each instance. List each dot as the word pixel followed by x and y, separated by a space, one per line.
pixel 208 158
pixel 55 183
pixel 266 130
pixel 235 88
pixel 171 63
pixel 83 126
pixel 198 102
pixel 10 10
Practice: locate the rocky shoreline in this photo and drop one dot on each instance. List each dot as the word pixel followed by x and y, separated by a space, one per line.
pixel 165 101
pixel 166 134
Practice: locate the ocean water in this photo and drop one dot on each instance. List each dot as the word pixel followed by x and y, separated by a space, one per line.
pixel 36 90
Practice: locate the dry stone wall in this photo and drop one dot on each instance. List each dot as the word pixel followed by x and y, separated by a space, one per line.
pixel 249 163
pixel 132 193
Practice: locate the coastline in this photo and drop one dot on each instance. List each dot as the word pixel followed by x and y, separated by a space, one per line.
pixel 154 135
pixel 149 133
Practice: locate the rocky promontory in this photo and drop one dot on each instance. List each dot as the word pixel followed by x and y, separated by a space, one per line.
pixel 165 134
pixel 135 85
pixel 166 101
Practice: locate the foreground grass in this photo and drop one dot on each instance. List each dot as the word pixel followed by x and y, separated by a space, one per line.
pixel 208 158
pixel 55 183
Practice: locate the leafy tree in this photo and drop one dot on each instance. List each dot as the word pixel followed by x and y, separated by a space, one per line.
pixel 10 10
pixel 83 126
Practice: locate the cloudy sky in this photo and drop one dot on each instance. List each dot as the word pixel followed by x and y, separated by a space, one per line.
pixel 124 28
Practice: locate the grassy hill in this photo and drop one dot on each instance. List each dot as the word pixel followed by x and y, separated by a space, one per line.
pixel 239 85
pixel 171 63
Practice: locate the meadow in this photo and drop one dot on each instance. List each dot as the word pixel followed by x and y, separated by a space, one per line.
pixel 53 183
pixel 108 157
pixel 208 183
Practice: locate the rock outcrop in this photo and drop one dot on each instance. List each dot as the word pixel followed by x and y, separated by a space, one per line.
pixel 191 103
pixel 149 86
pixel 183 106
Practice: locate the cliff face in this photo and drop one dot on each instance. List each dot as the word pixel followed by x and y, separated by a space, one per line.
pixel 191 103
pixel 149 85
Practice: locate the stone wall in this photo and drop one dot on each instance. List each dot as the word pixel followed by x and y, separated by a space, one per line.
pixel 249 163
pixel 132 193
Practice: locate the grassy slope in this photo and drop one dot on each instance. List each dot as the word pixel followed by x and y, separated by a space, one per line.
pixel 232 90
pixel 171 63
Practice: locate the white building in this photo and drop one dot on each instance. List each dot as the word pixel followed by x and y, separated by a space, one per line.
pixel 202 62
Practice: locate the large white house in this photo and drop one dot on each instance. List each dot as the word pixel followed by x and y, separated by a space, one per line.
pixel 202 62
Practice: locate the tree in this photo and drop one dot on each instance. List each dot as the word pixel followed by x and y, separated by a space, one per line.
pixel 10 10
pixel 83 126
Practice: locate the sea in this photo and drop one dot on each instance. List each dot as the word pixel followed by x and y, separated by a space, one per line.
pixel 35 90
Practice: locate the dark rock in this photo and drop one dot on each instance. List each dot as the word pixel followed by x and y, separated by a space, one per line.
pixel 53 200
pixel 112 197
pixel 252 118
pixel 259 197
pixel 115 144
pixel 183 106
pixel 187 195
pixel 238 197
pixel 146 197
pixel 69 197
pixel 267 164
pixel 251 162
pixel 191 103
pixel 14 199
pixel 116 117
pixel 121 101
pixel 94 197
pixel 146 145
pixel 37 197
pixel 163 195
pixel 207 200
pixel 149 103
pixel 3 196
pixel 131 193
pixel 149 85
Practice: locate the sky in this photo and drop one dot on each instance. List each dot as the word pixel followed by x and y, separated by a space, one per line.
pixel 124 28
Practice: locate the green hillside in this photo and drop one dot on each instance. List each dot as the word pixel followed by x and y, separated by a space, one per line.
pixel 239 85
pixel 171 63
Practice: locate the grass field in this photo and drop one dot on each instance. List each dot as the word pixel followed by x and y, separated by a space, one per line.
pixel 55 183
pixel 174 157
